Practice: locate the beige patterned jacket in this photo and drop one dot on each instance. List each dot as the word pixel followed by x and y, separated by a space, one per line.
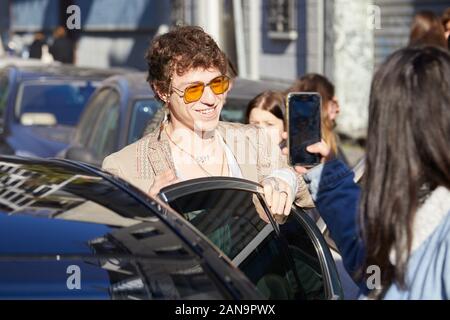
pixel 256 153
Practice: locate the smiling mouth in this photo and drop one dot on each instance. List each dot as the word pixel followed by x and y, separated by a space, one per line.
pixel 207 111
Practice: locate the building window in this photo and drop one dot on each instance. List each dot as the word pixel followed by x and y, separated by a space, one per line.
pixel 282 19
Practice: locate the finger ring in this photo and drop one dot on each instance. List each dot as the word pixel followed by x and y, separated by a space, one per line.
pixel 273 182
pixel 276 187
pixel 287 195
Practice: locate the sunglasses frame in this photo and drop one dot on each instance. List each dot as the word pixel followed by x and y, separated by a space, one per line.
pixel 182 93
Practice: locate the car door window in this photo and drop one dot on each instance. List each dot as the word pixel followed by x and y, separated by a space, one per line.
pixel 305 257
pixel 143 112
pixel 90 117
pixel 4 88
pixel 105 134
pixel 282 265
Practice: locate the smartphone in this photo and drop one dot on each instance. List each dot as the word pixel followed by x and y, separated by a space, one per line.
pixel 304 127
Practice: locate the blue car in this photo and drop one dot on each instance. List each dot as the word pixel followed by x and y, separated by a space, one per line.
pixel 71 231
pixel 41 105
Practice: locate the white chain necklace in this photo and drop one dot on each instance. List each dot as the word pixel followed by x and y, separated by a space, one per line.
pixel 195 158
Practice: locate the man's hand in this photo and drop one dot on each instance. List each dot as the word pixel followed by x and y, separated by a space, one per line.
pixel 279 197
pixel 162 180
pixel 321 148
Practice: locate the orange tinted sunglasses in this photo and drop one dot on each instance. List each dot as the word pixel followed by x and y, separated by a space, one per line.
pixel 194 91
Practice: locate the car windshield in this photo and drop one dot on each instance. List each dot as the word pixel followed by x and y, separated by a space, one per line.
pixel 143 112
pixel 62 100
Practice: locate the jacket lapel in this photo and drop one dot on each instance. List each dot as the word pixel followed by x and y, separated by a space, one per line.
pixel 159 153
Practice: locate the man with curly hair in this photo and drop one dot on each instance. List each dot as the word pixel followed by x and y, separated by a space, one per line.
pixel 189 74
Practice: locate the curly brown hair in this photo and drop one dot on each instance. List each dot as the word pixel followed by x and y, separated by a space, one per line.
pixel 445 17
pixel 180 50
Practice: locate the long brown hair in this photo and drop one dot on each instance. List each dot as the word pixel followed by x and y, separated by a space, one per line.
pixel 407 149
pixel 271 101
pixel 313 82
pixel 427 29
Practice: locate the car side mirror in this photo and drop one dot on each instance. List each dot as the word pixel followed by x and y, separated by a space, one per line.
pixel 82 154
pixel 38 119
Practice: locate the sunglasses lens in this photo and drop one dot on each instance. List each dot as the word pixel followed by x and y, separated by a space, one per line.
pixel 219 85
pixel 193 93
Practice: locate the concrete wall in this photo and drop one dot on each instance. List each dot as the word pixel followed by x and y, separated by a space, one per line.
pixel 353 64
pixel 286 60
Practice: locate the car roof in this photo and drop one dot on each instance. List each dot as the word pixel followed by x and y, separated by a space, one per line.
pixel 62 71
pixel 135 82
pixel 17 61
pixel 248 89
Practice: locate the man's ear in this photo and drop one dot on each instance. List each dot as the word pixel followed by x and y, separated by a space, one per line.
pixel 231 85
pixel 163 96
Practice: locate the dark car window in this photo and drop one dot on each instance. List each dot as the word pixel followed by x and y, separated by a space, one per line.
pixel 234 110
pixel 52 218
pixel 4 87
pixel 105 132
pixel 143 111
pixel 90 117
pixel 285 267
pixel 64 100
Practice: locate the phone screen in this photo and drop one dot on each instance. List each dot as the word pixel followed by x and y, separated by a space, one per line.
pixel 303 127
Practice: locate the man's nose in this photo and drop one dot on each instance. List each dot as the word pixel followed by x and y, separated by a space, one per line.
pixel 208 97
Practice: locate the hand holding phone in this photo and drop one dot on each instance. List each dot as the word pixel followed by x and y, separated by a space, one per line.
pixel 304 127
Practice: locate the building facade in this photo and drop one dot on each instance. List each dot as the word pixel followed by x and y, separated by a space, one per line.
pixel 265 39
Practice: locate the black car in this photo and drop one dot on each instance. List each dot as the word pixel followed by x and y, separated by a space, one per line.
pixel 41 105
pixel 124 108
pixel 71 231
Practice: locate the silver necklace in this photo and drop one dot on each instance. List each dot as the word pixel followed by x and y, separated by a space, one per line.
pixel 195 158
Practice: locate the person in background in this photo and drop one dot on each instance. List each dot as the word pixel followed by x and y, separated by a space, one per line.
pixel 62 48
pixel 330 107
pixel 36 46
pixel 446 25
pixel 267 110
pixel 427 30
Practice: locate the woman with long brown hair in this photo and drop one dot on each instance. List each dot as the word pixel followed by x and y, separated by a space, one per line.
pixel 427 29
pixel 267 110
pixel 404 206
